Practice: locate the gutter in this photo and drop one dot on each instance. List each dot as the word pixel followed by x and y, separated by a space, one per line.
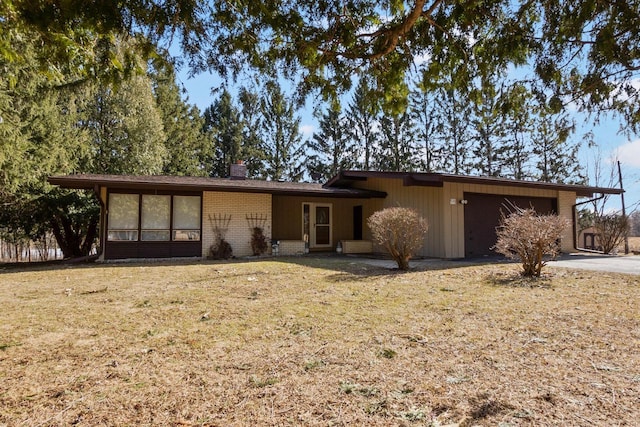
pixel 575 224
pixel 103 210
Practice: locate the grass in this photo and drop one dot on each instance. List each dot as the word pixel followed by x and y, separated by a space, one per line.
pixel 317 342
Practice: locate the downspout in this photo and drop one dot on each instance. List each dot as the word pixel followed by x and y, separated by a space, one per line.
pixel 103 212
pixel 574 208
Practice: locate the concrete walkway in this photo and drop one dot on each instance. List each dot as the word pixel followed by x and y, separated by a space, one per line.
pixel 629 264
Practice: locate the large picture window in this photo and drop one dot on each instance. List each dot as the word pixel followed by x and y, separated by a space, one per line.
pixel 123 216
pixel 152 217
pixel 156 217
pixel 186 218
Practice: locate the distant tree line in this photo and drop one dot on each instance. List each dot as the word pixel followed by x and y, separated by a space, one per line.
pixel 634 224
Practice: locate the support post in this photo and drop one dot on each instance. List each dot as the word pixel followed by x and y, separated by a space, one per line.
pixel 624 211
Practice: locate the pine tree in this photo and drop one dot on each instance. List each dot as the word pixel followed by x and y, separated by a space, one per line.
pixel 281 135
pixel 125 127
pixel 332 149
pixel 222 122
pixel 363 114
pixel 252 144
pixel 452 112
pixel 556 156
pixel 487 124
pixel 396 150
pixel 186 143
pixel 421 110
pixel 41 135
pixel 519 125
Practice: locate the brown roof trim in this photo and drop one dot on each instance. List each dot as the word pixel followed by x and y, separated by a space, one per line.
pixel 345 179
pixel 190 183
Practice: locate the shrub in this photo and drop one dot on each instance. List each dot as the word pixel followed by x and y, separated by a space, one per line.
pixel 612 229
pixel 220 250
pixel 258 241
pixel 529 237
pixel 400 231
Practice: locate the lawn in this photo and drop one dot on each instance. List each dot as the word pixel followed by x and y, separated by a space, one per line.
pixel 317 341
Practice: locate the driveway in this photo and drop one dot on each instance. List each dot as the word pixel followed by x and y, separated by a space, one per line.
pixel 629 264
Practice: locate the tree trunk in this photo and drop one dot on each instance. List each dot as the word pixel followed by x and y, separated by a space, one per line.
pixel 75 240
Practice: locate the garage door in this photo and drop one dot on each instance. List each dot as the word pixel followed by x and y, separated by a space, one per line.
pixel 482 216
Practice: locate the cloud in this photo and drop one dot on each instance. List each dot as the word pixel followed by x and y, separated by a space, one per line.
pixel 629 153
pixel 422 58
pixel 307 130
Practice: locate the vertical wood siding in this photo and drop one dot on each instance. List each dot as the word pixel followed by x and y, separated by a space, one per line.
pixel 445 238
pixel 287 216
pixel 426 200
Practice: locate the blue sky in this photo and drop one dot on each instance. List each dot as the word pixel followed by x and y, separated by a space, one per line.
pixel 610 143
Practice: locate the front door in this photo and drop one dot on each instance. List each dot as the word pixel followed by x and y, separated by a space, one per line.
pixel 316 222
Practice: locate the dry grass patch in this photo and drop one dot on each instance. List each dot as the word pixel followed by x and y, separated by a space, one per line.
pixel 323 342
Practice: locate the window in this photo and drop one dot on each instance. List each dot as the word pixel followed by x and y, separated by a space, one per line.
pixel 123 217
pixel 186 218
pixel 148 217
pixel 156 217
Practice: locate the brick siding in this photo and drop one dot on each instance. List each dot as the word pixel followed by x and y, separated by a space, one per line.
pixel 238 206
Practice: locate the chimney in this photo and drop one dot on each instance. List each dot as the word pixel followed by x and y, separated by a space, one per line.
pixel 238 170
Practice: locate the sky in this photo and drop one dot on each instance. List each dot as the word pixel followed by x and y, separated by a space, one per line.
pixel 611 144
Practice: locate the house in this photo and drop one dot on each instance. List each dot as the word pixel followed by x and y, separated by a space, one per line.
pixel 172 216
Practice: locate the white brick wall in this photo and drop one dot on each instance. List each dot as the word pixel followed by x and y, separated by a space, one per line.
pixel 291 247
pixel 566 201
pixel 238 206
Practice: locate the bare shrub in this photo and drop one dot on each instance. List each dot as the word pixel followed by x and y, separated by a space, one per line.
pixel 259 243
pixel 526 236
pixel 400 231
pixel 221 249
pixel 612 229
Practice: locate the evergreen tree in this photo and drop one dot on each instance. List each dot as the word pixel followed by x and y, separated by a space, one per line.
pixel 519 125
pixel 281 135
pixel 252 144
pixel 331 147
pixel 125 128
pixel 186 143
pixel 421 110
pixel 222 122
pixel 40 136
pixel 452 113
pixel 556 157
pixel 488 128
pixel 363 114
pixel 396 149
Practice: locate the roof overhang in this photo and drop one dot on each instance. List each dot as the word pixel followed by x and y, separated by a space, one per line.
pixel 346 179
pixel 187 183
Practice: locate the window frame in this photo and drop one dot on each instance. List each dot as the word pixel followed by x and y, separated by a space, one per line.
pixel 187 233
pixel 146 229
pixel 195 236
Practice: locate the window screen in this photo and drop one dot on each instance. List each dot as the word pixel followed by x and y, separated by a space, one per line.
pixel 123 216
pixel 186 218
pixel 156 217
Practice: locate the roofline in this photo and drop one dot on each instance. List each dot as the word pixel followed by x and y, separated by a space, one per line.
pixel 133 182
pixel 438 179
